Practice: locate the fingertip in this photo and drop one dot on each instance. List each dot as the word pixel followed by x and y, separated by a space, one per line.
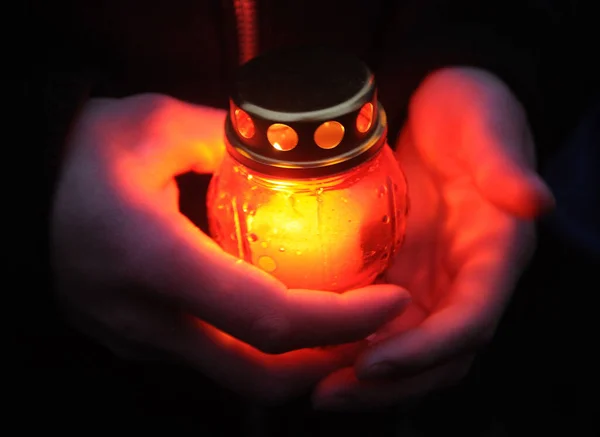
pixel 373 371
pixel 533 199
pixel 523 194
pixel 543 198
pixel 391 291
pixel 400 299
pixel 393 297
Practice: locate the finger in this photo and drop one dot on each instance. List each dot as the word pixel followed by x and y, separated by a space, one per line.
pixel 187 268
pixel 342 390
pixel 168 254
pixel 500 172
pixel 176 137
pixel 250 372
pixel 467 119
pixel 143 329
pixel 462 322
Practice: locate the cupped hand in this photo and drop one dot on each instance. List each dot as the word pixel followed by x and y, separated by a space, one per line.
pixel 139 277
pixel 468 156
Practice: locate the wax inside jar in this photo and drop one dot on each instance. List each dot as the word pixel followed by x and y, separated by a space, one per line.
pixel 309 240
pixel 332 234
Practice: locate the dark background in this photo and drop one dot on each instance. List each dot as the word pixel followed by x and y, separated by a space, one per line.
pixel 539 375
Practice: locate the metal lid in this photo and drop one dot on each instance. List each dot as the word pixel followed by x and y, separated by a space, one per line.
pixel 304 112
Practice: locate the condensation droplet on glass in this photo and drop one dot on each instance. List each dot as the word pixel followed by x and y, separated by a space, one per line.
pixel 232 236
pixel 319 195
pixel 236 170
pixel 386 219
pixel 344 200
pixel 245 207
pixel 250 177
pixel 239 261
pixel 282 249
pixel 264 244
pixel 253 188
pixel 252 238
pixel 298 252
pixel 267 263
pixel 292 201
pixel 381 191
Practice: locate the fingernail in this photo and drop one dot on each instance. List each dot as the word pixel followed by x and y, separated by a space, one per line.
pixel 371 338
pixel 374 339
pixel 378 370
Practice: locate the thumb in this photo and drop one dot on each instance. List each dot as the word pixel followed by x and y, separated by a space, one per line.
pixel 499 155
pixel 470 118
pixel 500 171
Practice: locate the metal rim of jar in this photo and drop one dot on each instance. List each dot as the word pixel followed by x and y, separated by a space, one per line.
pixel 308 169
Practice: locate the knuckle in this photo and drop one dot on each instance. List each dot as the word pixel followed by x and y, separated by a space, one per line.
pixel 153 102
pixel 270 333
pixel 155 109
pixel 95 118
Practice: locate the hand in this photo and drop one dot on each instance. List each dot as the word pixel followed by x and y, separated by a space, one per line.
pixel 468 155
pixel 138 276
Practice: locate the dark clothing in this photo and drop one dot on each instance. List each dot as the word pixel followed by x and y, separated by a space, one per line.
pixel 188 49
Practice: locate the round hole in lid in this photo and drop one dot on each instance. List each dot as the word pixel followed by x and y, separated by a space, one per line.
pixel 243 123
pixel 282 137
pixel 329 134
pixel 365 118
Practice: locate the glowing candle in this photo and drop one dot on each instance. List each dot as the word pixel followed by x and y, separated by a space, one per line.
pixel 309 192
pixel 306 238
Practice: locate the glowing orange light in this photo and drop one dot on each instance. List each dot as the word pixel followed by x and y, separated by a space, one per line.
pixel 291 237
pixel 243 123
pixel 365 118
pixel 329 134
pixel 282 137
pixel 316 198
pixel 334 233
